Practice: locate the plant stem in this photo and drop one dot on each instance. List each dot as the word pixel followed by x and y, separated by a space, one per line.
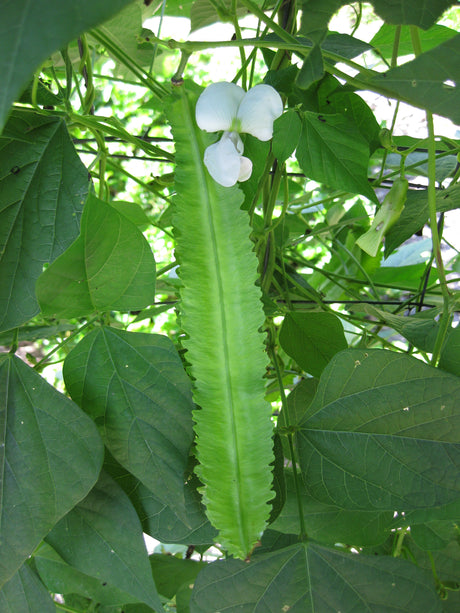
pixel 445 318
pixel 285 408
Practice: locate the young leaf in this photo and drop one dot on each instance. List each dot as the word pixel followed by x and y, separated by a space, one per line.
pixel 312 339
pixel 332 151
pixel 135 389
pixel 221 313
pixel 375 438
pixel 102 537
pixel 50 457
pixel 308 578
pixel 38 218
pixel 109 266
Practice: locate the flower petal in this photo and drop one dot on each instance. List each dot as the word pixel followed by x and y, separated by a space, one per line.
pixel 217 106
pixel 258 110
pixel 245 169
pixel 223 161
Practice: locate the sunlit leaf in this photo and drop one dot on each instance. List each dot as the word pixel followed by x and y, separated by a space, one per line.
pixel 135 389
pixel 376 438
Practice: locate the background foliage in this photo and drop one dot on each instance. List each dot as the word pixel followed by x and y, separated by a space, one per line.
pixel 282 388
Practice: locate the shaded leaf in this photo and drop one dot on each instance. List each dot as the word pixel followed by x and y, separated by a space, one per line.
pixel 312 69
pixel 170 573
pixel 43 186
pixel 400 436
pixel 136 390
pixel 161 521
pixel 332 151
pixel 102 537
pixel 450 354
pixel 312 339
pixel 429 81
pixel 109 266
pixel 286 130
pixel 384 39
pixel 50 457
pixel 329 524
pixel 434 535
pixel 312 579
pixel 25 593
pixel 61 578
pixel 37 29
pixel 413 12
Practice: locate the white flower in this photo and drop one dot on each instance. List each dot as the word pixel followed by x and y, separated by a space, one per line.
pixel 227 107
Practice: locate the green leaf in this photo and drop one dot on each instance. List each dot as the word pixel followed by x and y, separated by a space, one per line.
pixel 312 579
pixel 286 131
pixel 420 329
pixel 383 41
pixel 433 535
pixel 135 389
pixel 102 537
pixel 429 81
pixel 24 593
pixel 316 15
pixel 413 12
pixel 312 339
pixel 450 354
pixel 329 524
pixel 61 578
pixel 161 521
pixel 312 69
pixel 50 457
pixel 31 31
pixel 332 151
pixel 124 31
pixel 221 313
pixel 372 404
pixel 357 111
pixel 170 572
pixel 416 213
pixel 109 266
pixel 37 220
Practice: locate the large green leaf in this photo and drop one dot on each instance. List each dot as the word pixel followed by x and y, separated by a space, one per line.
pixel 312 579
pixel 31 31
pixel 413 12
pixel 384 40
pixel 312 339
pixel 382 434
pixel 135 389
pixel 43 186
pixel 331 150
pixel 429 81
pixel 50 457
pixel 170 572
pixel 158 519
pixel 109 266
pixel 102 537
pixel 61 578
pixel 24 593
pixel 329 524
pixel 221 313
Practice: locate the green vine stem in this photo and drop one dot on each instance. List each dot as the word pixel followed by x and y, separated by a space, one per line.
pixel 445 318
pixel 290 436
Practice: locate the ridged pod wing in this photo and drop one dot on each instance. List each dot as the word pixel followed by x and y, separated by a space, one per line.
pixel 221 314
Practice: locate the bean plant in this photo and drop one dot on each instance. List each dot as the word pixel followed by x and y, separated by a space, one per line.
pixel 228 307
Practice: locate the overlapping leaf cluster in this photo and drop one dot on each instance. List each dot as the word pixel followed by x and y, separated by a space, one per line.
pixel 361 357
